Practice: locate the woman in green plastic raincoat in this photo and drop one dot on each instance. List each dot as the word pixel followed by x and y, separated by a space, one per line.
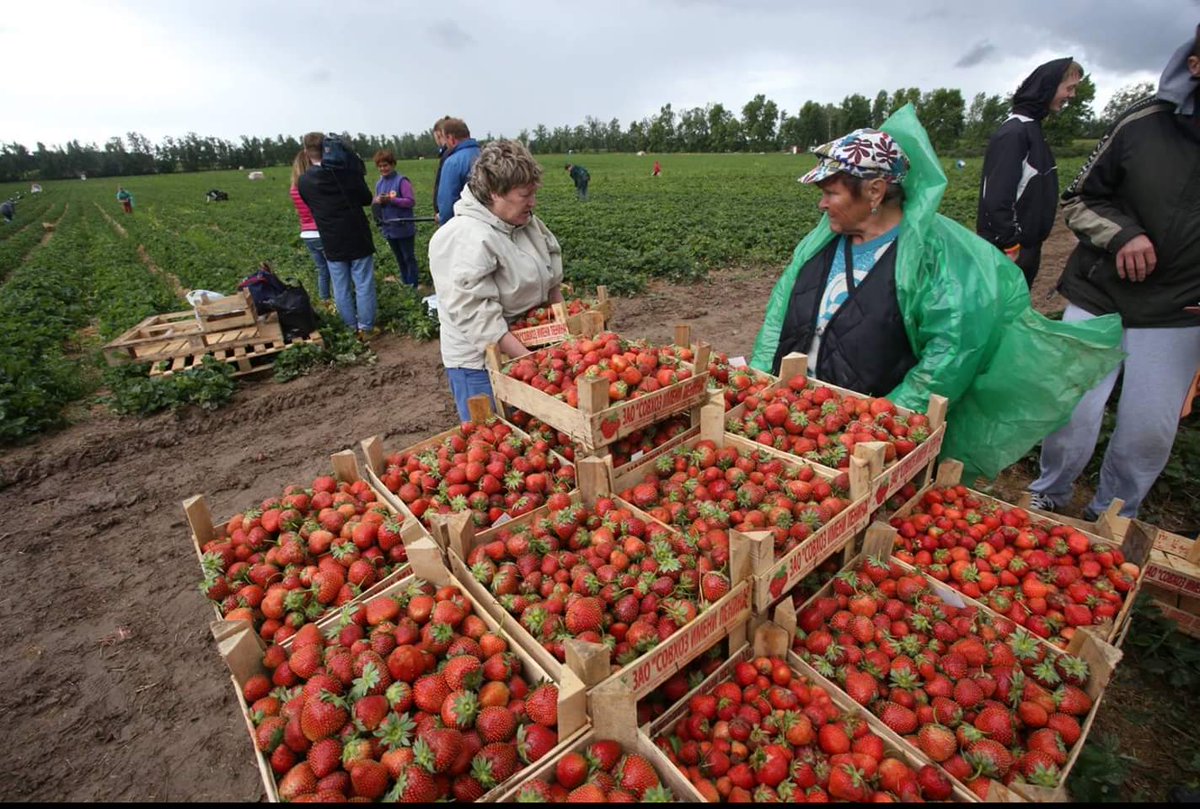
pixel 893 299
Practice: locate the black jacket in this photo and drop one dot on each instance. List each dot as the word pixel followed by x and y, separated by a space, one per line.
pixel 1142 178
pixel 336 199
pixel 864 347
pixel 1018 194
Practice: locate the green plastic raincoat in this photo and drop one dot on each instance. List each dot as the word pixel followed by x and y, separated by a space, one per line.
pixel 1011 375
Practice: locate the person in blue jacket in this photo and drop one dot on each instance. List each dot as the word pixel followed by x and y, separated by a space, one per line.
pixel 461 153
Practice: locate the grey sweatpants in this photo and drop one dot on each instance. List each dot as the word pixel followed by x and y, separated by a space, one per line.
pixel 1158 373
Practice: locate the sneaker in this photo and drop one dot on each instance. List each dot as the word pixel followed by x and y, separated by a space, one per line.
pixel 1041 502
pixel 366 335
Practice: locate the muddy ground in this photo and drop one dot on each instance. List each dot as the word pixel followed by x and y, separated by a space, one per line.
pixel 115 689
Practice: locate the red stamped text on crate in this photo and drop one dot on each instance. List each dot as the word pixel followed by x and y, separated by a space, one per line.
pixel 663 661
pixel 545 333
pixel 840 528
pixel 640 412
pixel 1172 580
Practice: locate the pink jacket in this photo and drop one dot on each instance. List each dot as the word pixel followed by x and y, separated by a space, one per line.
pixel 306 218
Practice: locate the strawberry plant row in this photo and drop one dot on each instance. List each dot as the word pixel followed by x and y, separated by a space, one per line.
pixel 598 390
pixel 603 588
pixel 412 695
pixel 827 425
pixel 296 558
pixel 962 684
pixel 486 467
pixel 760 729
pixel 1046 576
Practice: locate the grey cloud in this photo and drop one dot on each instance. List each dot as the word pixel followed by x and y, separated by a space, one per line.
pixel 979 52
pixel 450 34
pixel 321 75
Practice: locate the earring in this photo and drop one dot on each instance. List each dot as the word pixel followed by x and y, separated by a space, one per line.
pixel 874 210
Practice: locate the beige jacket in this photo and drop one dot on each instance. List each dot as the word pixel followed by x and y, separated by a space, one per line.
pixel 487 273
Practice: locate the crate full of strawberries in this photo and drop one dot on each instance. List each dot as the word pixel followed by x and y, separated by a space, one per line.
pixel 596 770
pixel 600 389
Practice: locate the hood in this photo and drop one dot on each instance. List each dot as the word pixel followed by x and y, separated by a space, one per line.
pixel 1176 84
pixel 465 143
pixel 926 182
pixel 472 208
pixel 1033 97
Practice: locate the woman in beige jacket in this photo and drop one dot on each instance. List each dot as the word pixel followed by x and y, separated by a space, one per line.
pixel 491 263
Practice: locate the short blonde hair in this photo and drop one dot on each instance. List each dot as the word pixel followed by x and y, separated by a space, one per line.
pixel 1074 71
pixel 502 166
pixel 384 156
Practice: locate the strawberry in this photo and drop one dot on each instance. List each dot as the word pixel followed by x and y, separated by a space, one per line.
pixel 588 793
pixel 603 755
pixel 541 705
pixel 714 586
pixel 900 720
pixel 369 779
pixel 937 741
pixel 535 741
pixel 862 687
pixel 298 781
pixel 269 733
pixel 637 775
pixel 996 723
pixel 437 749
pixel 430 692
pixel 496 724
pixel 414 785
pixel 584 615
pixel 571 770
pixel 500 761
pixel 934 784
pixel 990 758
pixel 1072 700
pixel 323 715
pixel 325 756
pixel 1039 768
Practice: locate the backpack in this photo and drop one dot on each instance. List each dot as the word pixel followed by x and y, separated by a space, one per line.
pixel 263 285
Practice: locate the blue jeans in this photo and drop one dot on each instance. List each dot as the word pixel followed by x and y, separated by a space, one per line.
pixel 317 251
pixel 354 291
pixel 465 383
pixel 581 190
pixel 406 257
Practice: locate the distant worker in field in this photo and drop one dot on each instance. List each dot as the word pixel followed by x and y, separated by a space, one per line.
pixel 336 194
pixel 8 210
pixel 890 299
pixel 491 264
pixel 1133 207
pixel 393 208
pixel 461 153
pixel 440 140
pixel 580 176
pixel 125 198
pixel 309 235
pixel 657 170
pixel 1018 194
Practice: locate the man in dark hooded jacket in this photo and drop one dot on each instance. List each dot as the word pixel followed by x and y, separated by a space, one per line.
pixel 1135 207
pixel 1018 195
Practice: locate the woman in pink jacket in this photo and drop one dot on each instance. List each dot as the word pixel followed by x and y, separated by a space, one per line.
pixel 308 228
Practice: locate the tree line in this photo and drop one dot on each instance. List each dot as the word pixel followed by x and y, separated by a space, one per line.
pixel 954 126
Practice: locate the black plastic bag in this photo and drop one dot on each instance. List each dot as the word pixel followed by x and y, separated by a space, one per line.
pixel 296 316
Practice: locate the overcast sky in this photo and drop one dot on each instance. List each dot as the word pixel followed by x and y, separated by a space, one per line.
pixel 91 69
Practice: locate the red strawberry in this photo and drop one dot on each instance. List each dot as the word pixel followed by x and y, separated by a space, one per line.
pixel 996 723
pixel 369 779
pixel 541 705
pixel 414 785
pixel 604 755
pixel 1039 768
pixel 298 781
pixel 430 692
pixel 571 770
pixel 501 758
pixel 437 749
pixel 937 741
pixel 585 615
pixel 323 715
pixel 1072 700
pixel 589 793
pixel 899 719
pixel 535 741
pixel 637 775
pixel 462 672
pixel 325 756
pixel 714 586
pixel 862 687
pixel 269 734
pixel 1067 727
pixel 496 724
pixel 935 786
pixel 990 758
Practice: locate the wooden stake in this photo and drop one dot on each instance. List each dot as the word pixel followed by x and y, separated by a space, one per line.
pixel 199 518
pixel 345 466
pixel 703 353
pixel 860 478
pixel 750 553
pixel 593 323
pixel 771 640
pixel 794 364
pixel 426 561
pixel 492 357
pixel 589 661
pixel 938 405
pixel 880 540
pixel 873 452
pixel 785 616
pixel 683 335
pixel 373 451
pixel 712 424
pixel 457 532
pixel 593 394
pixel 594 479
pixel 949 473
pixel 560 312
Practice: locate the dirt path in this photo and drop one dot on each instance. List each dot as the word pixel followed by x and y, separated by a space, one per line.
pixel 115 690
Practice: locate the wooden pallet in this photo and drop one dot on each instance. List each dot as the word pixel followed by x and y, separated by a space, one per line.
pixel 231 312
pixel 249 356
pixel 167 336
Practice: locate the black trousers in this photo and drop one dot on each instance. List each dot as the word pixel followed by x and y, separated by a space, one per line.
pixel 1029 259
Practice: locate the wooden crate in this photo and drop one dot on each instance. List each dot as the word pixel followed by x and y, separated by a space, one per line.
pixel 1136 547
pixel 242 651
pixel 249 355
pixel 886 478
pixel 345 468
pixel 480 409
pixel 562 325
pixel 231 312
pixel 1102 659
pixel 595 422
pixel 773 640
pixel 589 660
pixel 773 577
pixel 1173 579
pixel 638 743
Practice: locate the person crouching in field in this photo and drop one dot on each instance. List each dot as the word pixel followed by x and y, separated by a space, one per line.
pixel 888 298
pixel 491 263
pixel 125 198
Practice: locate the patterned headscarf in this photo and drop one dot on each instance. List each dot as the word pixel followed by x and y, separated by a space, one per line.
pixel 866 153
